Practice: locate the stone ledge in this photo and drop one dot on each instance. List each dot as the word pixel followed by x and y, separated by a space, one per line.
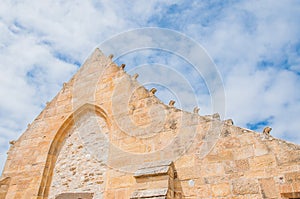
pixel 162 170
pixel 157 163
pixel 157 193
pixel 153 169
pixel 75 195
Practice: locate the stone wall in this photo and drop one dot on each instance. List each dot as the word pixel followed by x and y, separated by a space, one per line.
pixel 77 169
pixel 103 126
pixel 242 164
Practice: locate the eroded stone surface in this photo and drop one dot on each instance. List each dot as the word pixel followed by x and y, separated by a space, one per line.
pixel 103 126
pixel 153 168
pixel 79 168
pixel 150 193
pixel 75 196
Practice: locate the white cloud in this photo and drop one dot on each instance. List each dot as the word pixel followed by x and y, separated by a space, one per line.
pixel 247 34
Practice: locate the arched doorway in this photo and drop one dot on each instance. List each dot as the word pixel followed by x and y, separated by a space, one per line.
pixel 77 157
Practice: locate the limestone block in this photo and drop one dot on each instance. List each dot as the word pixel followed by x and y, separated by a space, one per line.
pixel 262 162
pixel 248 138
pixel 256 174
pixel 188 189
pixel 261 149
pixel 292 177
pixel 288 157
pixel 222 189
pixel 162 170
pixel 218 179
pixel 155 193
pixel 186 161
pixel 245 186
pixel 74 195
pixel 153 169
pixel 243 152
pixel 296 186
pixel 242 165
pixel 220 156
pixel 121 182
pixel 268 188
pixel 122 193
pixel 228 143
pixel 156 163
pixel 286 188
pixel 187 173
pixel 204 191
pixel 214 169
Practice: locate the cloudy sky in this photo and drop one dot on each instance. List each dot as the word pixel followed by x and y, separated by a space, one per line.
pixel 254 44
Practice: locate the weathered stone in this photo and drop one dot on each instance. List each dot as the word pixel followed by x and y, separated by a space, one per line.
pixel 220 157
pixel 242 165
pixel 160 170
pixel 150 193
pixel 171 103
pixel 75 195
pixel 292 177
pixel 262 162
pixel 106 134
pixel 229 122
pixel 220 190
pixel 216 116
pixel 268 188
pixel 196 110
pixel 245 186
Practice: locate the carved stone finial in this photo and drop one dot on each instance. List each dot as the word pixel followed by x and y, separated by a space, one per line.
pixel 216 116
pixel 122 66
pixel 64 86
pixel 153 91
pixel 12 142
pixel 171 103
pixel 267 130
pixel 229 122
pixel 196 109
pixel 110 56
pixel 135 76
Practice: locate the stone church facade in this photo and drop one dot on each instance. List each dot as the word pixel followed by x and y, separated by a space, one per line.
pixel 106 136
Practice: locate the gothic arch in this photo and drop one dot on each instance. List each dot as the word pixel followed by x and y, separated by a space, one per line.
pixel 57 144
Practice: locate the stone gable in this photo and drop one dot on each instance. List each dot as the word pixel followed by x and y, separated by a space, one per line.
pixel 106 136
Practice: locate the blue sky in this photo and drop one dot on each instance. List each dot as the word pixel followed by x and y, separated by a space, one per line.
pixel 254 44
